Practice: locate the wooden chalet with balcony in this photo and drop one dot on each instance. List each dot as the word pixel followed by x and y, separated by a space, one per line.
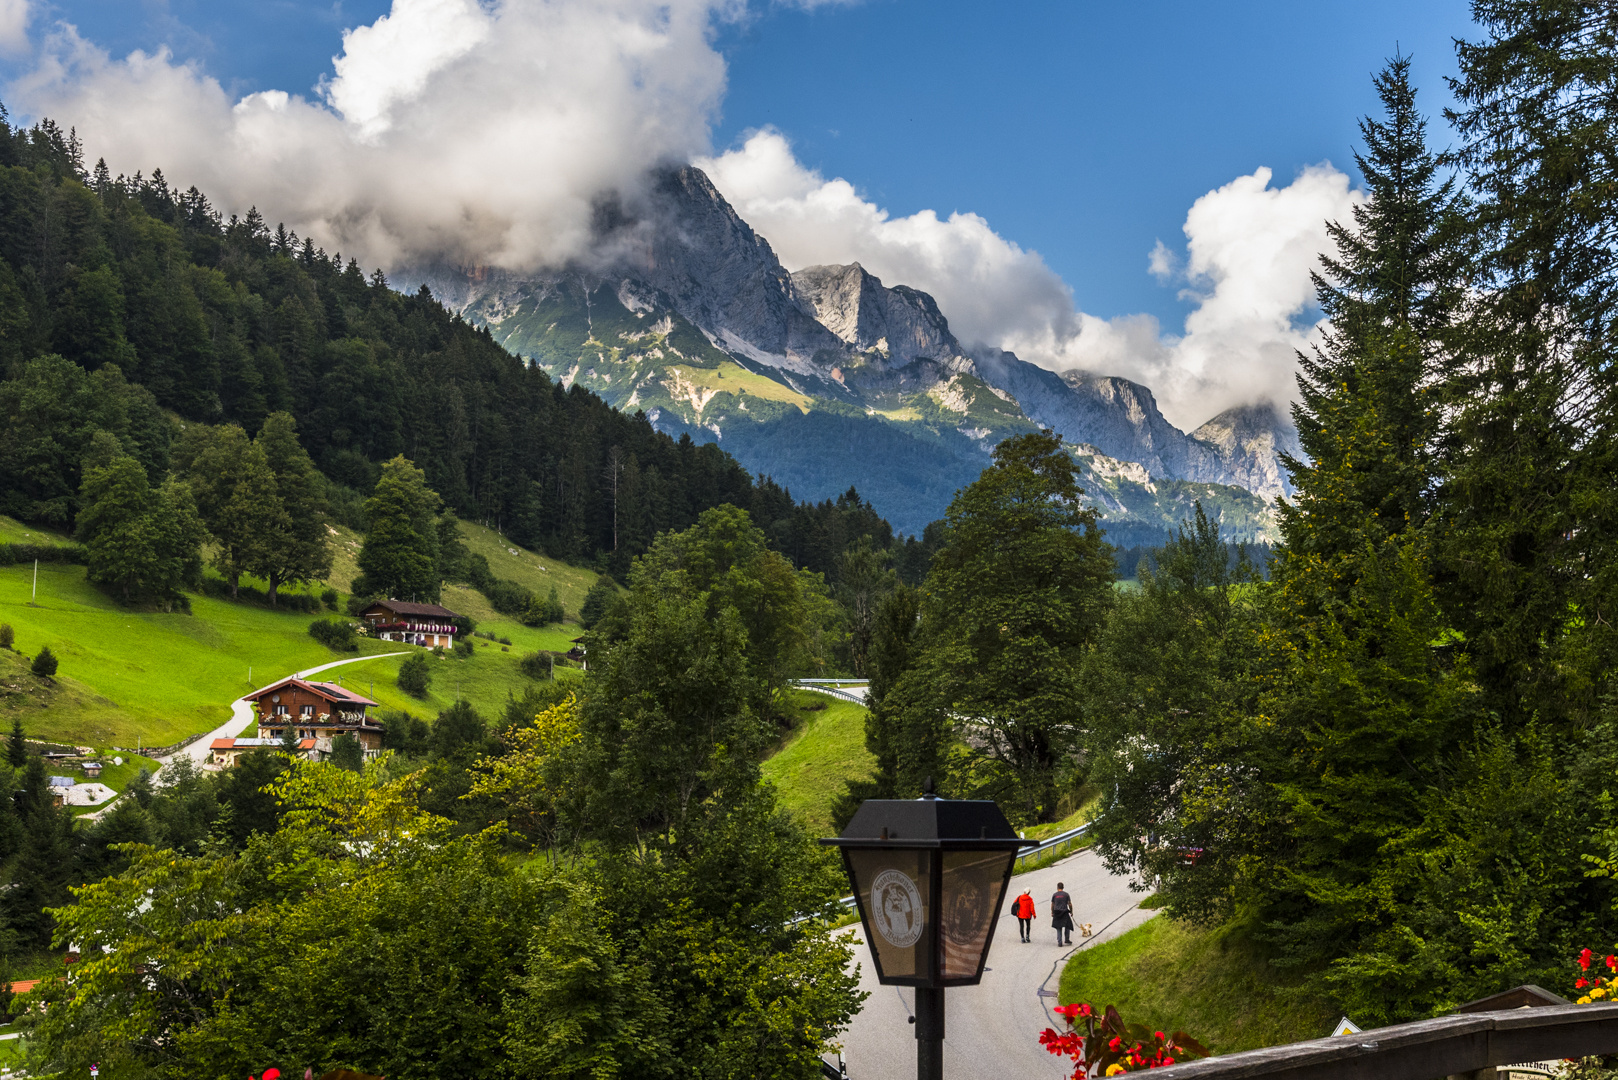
pixel 414 624
pixel 316 710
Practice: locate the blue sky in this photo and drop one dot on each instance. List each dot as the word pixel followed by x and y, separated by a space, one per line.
pixel 1085 132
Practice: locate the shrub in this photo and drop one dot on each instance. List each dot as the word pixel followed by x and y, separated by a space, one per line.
pixel 503 640
pixel 463 649
pixel 536 665
pixel 8 636
pixel 329 598
pixel 335 634
pixel 414 678
pixel 403 733
pixel 12 554
pixel 44 664
pixel 544 612
pixel 597 601
pixel 219 589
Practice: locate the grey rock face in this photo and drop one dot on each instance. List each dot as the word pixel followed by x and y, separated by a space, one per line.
pixel 902 323
pixel 690 244
pixel 1248 441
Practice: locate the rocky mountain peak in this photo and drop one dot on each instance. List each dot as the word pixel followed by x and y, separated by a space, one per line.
pixel 902 323
pixel 1249 440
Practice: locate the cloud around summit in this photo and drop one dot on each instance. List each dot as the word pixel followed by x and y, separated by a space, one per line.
pixel 449 128
pixel 484 132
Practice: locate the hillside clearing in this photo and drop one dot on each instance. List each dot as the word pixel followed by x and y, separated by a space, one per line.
pixel 150 678
pixel 826 749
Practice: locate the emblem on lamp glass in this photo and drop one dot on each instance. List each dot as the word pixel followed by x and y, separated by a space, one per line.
pixel 896 908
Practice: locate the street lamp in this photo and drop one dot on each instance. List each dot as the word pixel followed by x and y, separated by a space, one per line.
pixel 929 877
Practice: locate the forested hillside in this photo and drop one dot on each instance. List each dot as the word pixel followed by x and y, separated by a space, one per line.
pixel 174 309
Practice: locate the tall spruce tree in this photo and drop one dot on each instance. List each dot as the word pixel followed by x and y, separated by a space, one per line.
pixel 1366 416
pixel 1368 707
pixel 1532 513
pixel 297 550
pixel 399 558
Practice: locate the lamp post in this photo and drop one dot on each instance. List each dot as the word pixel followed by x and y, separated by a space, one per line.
pixel 929 878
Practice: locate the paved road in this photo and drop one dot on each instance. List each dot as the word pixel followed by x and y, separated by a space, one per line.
pixel 992 1030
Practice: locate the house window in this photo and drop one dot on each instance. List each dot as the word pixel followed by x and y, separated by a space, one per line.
pixel 280 710
pixel 308 710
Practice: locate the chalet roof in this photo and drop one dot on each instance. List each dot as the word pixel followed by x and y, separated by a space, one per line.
pixel 329 691
pixel 62 781
pixel 340 693
pixel 402 607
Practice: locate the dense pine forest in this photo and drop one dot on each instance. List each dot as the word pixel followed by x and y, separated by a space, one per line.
pixel 178 310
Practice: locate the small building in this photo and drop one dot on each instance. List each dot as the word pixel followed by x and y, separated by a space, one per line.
pixel 92 769
pixel 59 786
pixel 224 753
pixel 316 710
pixel 576 653
pixel 427 625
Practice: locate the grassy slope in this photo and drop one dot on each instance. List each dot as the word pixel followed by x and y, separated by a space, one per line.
pixel 827 748
pixel 128 676
pixel 13 531
pixel 1214 987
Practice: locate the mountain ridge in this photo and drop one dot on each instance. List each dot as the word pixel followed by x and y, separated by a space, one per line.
pixel 825 376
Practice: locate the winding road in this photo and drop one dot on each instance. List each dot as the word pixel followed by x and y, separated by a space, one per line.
pixel 993 1029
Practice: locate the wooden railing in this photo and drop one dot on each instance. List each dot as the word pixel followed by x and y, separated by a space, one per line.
pixel 1451 1046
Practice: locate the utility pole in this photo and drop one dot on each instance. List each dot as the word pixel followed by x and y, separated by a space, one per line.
pixel 35 597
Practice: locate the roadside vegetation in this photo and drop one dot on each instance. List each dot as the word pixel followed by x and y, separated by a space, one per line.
pixel 1217 984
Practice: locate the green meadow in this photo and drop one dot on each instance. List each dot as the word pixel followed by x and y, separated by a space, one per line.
pixel 148 678
pixel 826 748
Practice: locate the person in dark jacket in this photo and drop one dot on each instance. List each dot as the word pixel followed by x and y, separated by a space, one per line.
pixel 1023 908
pixel 1062 915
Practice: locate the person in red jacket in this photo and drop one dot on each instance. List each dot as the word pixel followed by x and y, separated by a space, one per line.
pixel 1023 908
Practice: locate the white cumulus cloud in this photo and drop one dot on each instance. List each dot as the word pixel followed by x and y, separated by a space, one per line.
pixel 481 132
pixel 14 16
pixel 1249 251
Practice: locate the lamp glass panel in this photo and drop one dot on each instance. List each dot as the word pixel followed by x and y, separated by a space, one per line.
pixel 896 888
pixel 972 888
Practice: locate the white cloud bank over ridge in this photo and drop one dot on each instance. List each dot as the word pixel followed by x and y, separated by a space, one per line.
pixel 449 127
pixel 483 132
pixel 1250 249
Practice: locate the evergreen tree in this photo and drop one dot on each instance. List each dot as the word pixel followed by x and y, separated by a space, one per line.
pixel 17 746
pixel 413 677
pixel 45 663
pixel 596 601
pixel 298 550
pixel 43 867
pixel 236 498
pixel 399 558
pixel 1366 416
pixel 348 753
pixel 1532 514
